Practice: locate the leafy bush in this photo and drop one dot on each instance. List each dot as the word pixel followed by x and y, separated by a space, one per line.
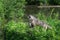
pixel 11 10
pixel 21 31
pixel 54 2
pixel 14 9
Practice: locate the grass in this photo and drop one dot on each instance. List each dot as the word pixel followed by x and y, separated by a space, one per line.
pixel 21 31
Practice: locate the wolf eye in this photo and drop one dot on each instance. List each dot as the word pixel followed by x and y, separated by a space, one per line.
pixel 29 17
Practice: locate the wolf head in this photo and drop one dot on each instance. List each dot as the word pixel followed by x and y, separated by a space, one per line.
pixel 31 17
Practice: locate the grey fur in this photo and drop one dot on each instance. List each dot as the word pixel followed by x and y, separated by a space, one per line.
pixel 34 21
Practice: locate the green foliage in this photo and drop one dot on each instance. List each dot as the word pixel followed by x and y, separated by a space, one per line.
pixel 21 31
pixel 1 19
pixel 57 2
pixel 37 2
pixel 43 2
pixel 1 10
pixel 11 10
pixel 54 2
pixel 14 8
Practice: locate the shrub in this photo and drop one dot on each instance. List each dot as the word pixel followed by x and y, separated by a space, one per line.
pixel 21 31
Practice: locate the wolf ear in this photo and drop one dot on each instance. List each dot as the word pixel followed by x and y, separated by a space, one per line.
pixel 29 16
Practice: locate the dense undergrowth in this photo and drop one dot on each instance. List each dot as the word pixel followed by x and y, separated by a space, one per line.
pixel 22 31
pixel 14 24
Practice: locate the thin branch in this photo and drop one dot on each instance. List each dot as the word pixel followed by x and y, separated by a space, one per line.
pixel 50 6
